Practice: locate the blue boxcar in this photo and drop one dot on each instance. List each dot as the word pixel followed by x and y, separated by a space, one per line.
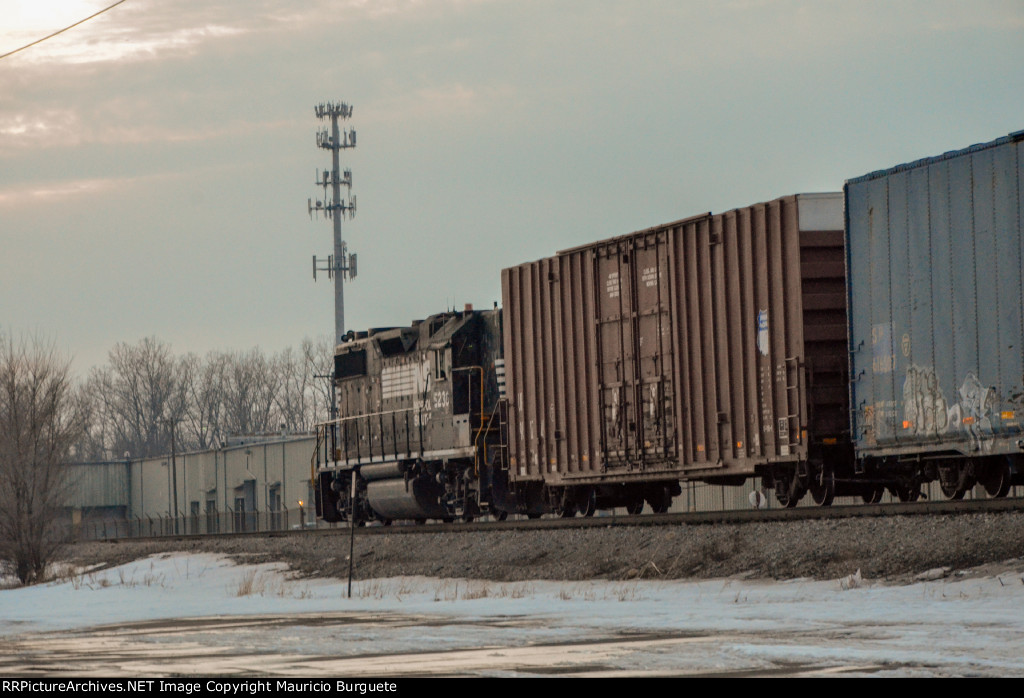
pixel 935 261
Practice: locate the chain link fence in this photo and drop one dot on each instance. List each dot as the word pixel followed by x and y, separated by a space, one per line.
pixel 210 523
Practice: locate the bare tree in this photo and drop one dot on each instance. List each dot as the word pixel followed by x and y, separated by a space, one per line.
pixel 295 402
pixel 203 381
pixel 138 393
pixel 92 444
pixel 144 388
pixel 249 391
pixel 39 422
pixel 319 359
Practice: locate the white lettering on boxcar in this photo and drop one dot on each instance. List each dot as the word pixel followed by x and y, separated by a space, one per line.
pixel 611 286
pixel 650 276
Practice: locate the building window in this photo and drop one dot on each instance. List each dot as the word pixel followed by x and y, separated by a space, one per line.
pixel 239 514
pixel 274 505
pixel 212 520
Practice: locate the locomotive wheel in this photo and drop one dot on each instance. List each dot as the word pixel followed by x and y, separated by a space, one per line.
pixel 872 495
pixel 499 515
pixel 636 507
pixel 823 488
pixel 567 511
pixel 996 478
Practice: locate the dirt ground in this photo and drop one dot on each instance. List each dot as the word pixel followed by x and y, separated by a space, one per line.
pixel 893 548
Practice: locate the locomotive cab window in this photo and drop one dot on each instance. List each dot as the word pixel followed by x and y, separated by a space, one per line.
pixel 350 364
pixel 440 365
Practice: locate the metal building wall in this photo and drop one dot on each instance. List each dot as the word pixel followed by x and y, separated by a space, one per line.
pixel 99 484
pixel 250 472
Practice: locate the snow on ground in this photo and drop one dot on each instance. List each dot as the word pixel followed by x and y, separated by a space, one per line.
pixel 970 626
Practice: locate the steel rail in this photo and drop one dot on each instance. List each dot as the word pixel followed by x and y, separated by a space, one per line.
pixel 737 516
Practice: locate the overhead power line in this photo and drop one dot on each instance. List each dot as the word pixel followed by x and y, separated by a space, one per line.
pixel 83 21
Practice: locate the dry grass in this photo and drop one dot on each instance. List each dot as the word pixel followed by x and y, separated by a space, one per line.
pixel 101 579
pixel 254 582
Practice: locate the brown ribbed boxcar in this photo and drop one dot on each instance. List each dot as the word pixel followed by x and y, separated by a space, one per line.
pixel 713 348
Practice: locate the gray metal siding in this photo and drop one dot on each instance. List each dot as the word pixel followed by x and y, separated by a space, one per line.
pixel 936 325
pixel 99 485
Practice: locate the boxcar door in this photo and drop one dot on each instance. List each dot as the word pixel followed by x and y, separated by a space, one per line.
pixel 617 367
pixel 653 391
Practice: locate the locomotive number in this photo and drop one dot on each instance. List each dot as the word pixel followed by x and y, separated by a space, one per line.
pixel 441 400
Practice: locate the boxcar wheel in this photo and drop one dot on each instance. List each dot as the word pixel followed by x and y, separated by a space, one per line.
pixel 996 478
pixel 659 499
pixel 586 505
pixel 788 490
pixel 823 488
pixel 636 507
pixel 956 478
pixel 907 493
pixel 952 491
pixel 872 495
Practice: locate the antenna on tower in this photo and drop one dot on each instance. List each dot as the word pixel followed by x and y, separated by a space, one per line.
pixel 341 264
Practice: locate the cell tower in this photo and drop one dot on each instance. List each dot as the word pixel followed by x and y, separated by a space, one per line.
pixel 341 264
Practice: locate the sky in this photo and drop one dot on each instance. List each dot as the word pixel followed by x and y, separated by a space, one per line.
pixel 156 161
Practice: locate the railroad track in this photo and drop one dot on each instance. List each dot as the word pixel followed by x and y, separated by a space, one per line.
pixel 927 508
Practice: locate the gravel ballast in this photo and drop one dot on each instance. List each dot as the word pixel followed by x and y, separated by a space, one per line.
pixel 892 548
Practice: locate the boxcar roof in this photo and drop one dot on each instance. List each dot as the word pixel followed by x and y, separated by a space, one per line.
pixel 950 155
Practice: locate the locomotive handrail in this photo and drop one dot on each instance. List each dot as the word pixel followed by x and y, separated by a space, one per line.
pixel 480 427
pixel 339 420
pixel 476 441
pixel 369 418
pixel 321 437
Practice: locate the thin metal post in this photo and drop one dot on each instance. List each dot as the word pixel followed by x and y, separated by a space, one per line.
pixel 352 534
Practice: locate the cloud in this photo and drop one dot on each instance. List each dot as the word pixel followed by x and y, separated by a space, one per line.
pixel 127 44
pixel 37 192
pixel 117 122
pixel 146 30
pixel 453 101
pixel 134 31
